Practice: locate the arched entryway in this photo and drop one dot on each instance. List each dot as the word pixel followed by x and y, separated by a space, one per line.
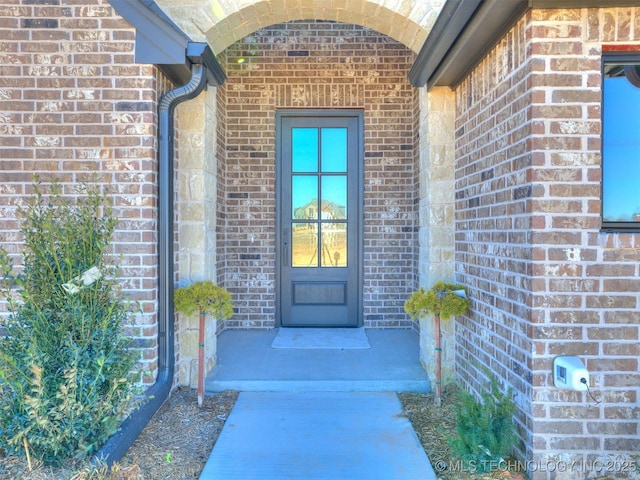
pixel 222 23
pixel 275 61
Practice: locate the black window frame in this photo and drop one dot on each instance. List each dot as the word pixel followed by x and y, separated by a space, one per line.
pixel 608 59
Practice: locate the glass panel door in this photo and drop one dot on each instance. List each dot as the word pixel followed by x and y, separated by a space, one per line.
pixel 320 184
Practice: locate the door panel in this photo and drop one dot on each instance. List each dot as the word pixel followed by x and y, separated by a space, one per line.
pixel 319 218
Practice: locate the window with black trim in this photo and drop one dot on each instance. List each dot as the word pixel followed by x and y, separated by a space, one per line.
pixel 621 142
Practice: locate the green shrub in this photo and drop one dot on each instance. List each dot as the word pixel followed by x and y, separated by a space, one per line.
pixel 64 363
pixel 485 433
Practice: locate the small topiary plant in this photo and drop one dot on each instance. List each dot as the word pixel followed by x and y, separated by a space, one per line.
pixel 485 433
pixel 64 364
pixel 440 300
pixel 444 300
pixel 204 297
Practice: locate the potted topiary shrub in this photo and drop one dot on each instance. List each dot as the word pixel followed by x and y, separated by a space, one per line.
pixel 204 297
pixel 443 300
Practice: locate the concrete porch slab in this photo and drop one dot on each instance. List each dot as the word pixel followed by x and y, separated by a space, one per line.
pixel 315 338
pixel 247 362
pixel 318 435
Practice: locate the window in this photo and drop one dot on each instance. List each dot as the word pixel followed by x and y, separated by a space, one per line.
pixel 621 142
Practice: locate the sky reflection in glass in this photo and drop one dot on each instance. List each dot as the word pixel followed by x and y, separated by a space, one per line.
pixel 334 149
pixel 621 151
pixel 304 150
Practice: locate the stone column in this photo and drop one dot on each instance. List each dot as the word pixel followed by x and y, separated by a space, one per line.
pixel 196 183
pixel 436 217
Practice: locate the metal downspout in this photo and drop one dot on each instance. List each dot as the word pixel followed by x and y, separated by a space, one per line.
pixel 154 397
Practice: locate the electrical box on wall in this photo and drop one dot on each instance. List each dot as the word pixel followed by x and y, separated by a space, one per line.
pixel 569 373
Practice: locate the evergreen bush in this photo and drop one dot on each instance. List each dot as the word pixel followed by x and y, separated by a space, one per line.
pixel 204 297
pixel 485 432
pixel 440 299
pixel 64 364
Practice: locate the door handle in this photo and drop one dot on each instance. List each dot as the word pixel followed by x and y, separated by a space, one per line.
pixel 285 247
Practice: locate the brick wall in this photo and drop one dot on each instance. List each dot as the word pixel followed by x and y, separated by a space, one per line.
pixel 220 152
pixel 73 103
pixel 544 279
pixel 493 252
pixel 319 65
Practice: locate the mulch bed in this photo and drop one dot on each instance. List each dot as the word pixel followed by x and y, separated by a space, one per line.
pixel 435 425
pixel 174 445
pixel 178 441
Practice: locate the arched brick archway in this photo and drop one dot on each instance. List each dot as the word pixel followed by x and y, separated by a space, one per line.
pixel 223 22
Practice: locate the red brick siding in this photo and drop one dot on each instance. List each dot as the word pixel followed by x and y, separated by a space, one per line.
pixel 545 280
pixel 319 65
pixel 74 104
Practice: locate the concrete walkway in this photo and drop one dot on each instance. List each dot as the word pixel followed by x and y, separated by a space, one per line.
pixel 317 435
pixel 318 414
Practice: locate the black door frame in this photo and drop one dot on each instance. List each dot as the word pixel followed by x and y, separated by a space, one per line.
pixel 358 114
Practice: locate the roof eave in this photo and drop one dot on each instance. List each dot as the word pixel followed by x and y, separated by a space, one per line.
pixel 466 30
pixel 160 42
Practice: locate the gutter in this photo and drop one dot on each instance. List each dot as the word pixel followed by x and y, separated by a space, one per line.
pixel 116 447
pixel 467 30
pixel 450 23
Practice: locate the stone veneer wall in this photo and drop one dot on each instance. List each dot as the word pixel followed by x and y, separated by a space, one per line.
pixel 311 64
pixel 544 280
pixel 196 191
pixel 73 104
pixel 436 219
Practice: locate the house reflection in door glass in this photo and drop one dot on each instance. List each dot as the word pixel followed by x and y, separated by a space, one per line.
pixel 304 197
pixel 334 196
pixel 304 245
pixel 334 244
pixel 319 198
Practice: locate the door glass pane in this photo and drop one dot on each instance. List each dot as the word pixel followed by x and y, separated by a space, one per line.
pixel 334 149
pixel 304 149
pixel 304 197
pixel 334 197
pixel 304 245
pixel 334 244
